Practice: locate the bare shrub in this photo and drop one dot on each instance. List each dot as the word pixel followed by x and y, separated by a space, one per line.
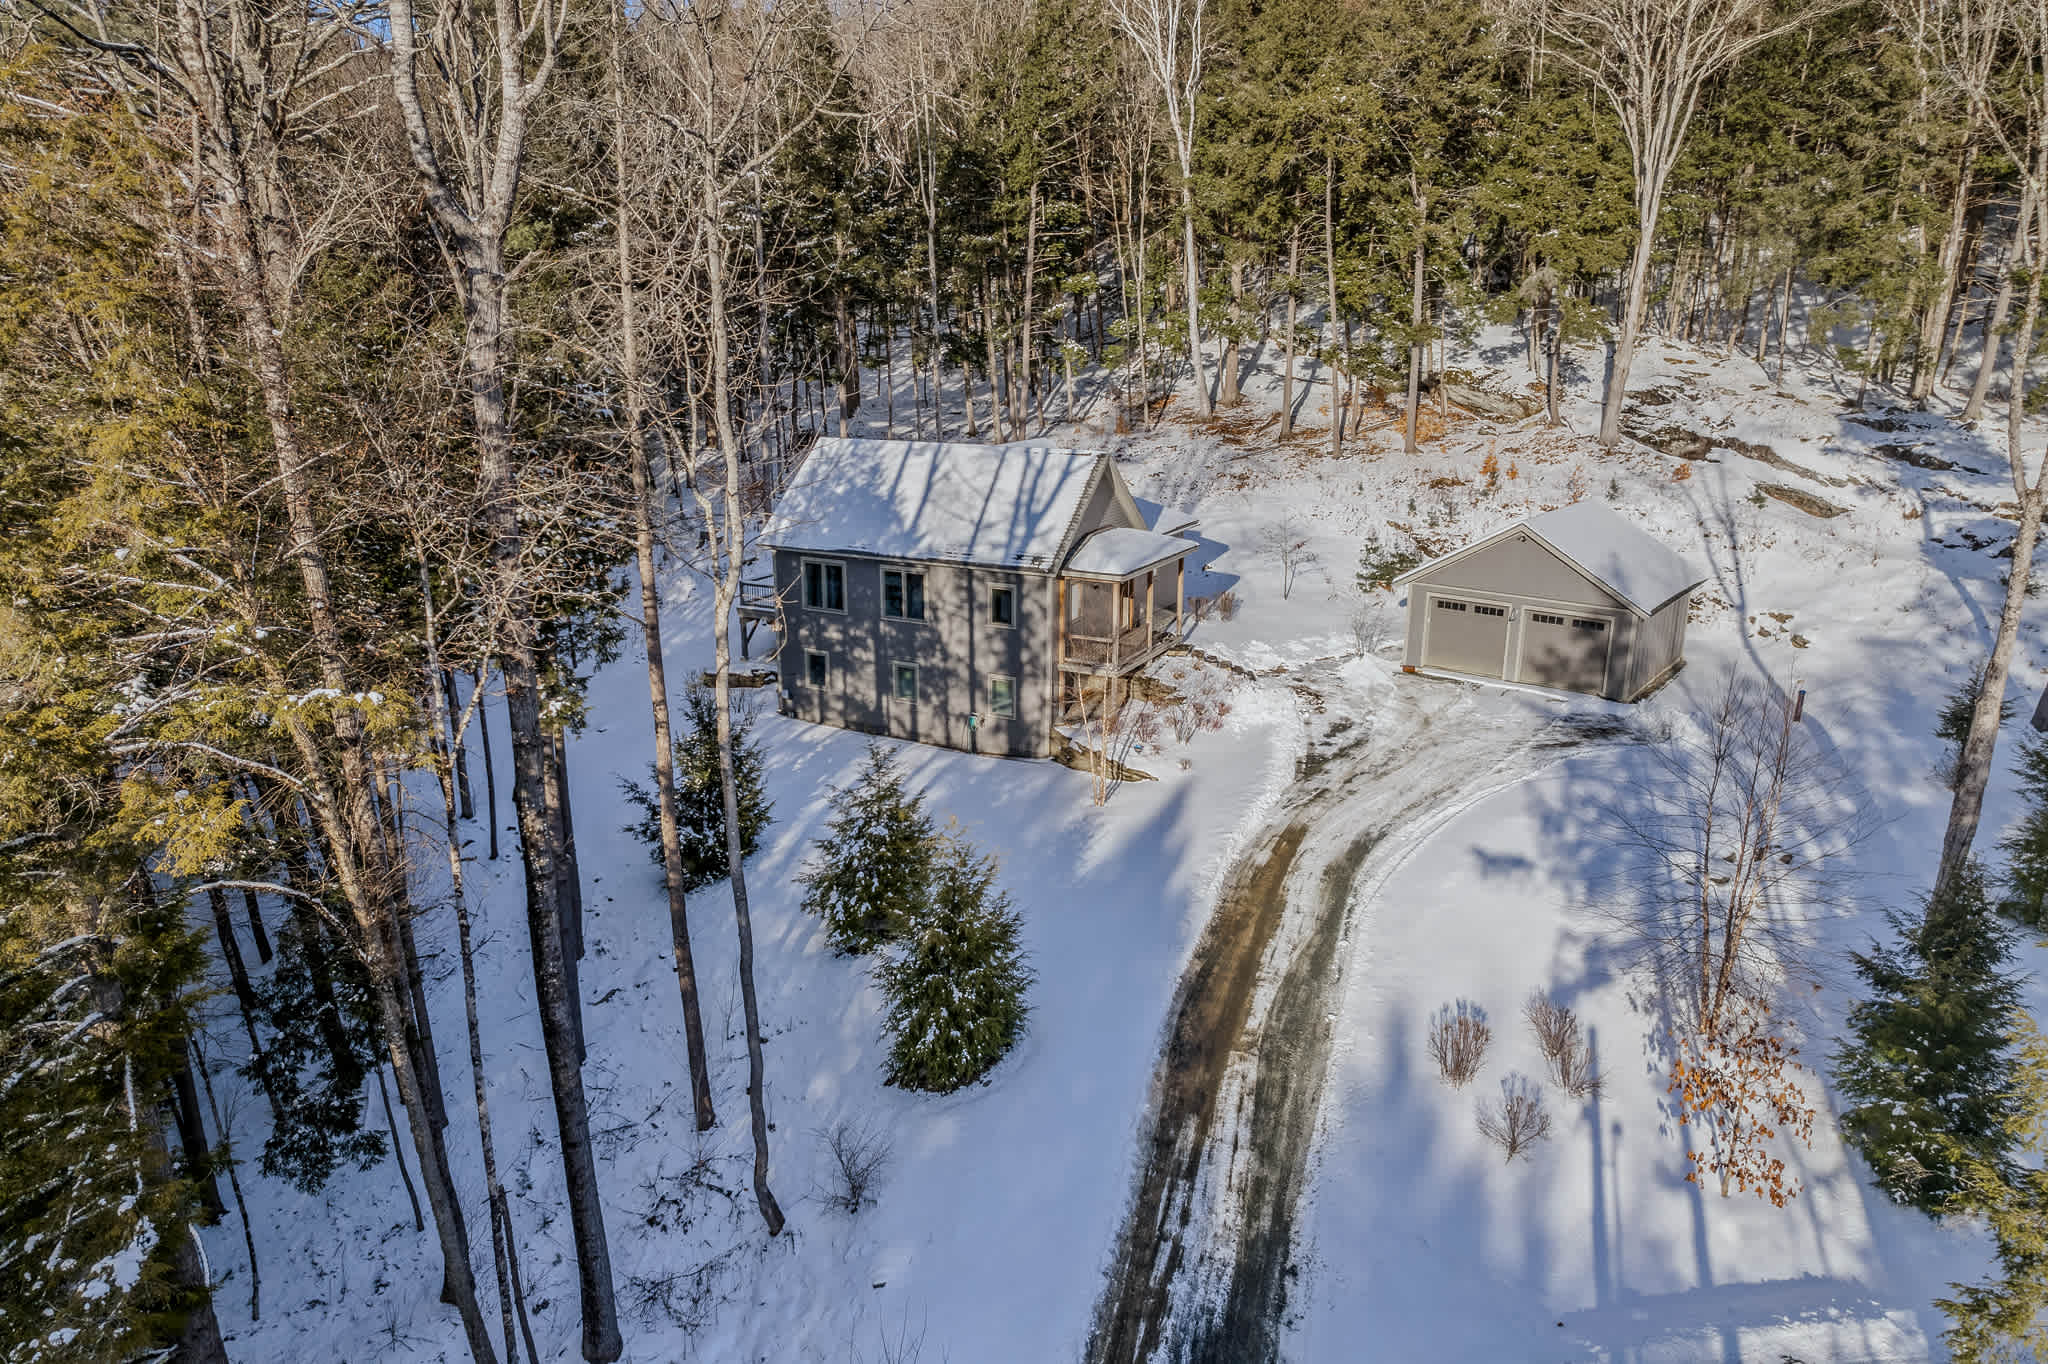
pixel 1563 1043
pixel 859 1156
pixel 1226 604
pixel 1517 1120
pixel 1458 1034
pixel 1287 542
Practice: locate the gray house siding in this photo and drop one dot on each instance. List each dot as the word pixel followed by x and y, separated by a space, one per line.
pixel 1543 631
pixel 956 650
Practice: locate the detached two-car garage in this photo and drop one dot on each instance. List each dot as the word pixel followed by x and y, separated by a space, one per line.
pixel 1578 599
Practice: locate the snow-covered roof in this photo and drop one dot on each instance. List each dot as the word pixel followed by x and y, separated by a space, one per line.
pixel 1608 548
pixel 1010 505
pixel 1119 551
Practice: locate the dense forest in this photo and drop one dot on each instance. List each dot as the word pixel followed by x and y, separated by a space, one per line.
pixel 360 362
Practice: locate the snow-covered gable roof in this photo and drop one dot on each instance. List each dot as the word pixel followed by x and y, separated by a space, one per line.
pixel 1607 547
pixel 1119 551
pixel 1010 505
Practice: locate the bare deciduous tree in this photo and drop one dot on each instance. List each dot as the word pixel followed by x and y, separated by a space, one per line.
pixel 467 84
pixel 1169 38
pixel 2010 98
pixel 1733 833
pixel 1650 59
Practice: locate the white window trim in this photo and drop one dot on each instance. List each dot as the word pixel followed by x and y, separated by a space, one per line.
pixel 911 699
pixel 803 576
pixel 810 654
pixel 882 582
pixel 994 678
pixel 990 610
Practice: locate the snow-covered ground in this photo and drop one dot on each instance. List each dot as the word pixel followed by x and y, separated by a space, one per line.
pixel 998 1212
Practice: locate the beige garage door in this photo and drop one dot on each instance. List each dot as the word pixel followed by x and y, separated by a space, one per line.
pixel 1466 636
pixel 1565 651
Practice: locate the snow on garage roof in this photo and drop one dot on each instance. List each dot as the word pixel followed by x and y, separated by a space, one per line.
pixel 1012 505
pixel 1120 551
pixel 1607 547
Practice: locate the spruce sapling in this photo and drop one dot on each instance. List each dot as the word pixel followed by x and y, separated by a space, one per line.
pixel 1929 1066
pixel 873 870
pixel 2026 848
pixel 956 986
pixel 700 804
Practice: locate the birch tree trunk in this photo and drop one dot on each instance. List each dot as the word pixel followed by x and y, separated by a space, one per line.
pixel 1973 766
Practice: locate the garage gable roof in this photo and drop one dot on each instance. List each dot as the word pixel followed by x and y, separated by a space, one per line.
pixel 1599 542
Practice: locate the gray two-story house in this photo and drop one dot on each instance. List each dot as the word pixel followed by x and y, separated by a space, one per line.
pixel 961 594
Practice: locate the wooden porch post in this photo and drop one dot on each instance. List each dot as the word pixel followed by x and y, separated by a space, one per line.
pixel 1151 577
pixel 1180 595
pixel 1060 648
pixel 1116 629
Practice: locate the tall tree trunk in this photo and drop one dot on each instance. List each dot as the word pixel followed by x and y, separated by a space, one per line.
pixel 1232 347
pixel 1020 405
pixel 644 511
pixel 483 741
pixel 725 590
pixel 1330 278
pixel 199 1164
pixel 1948 263
pixel 1193 274
pixel 257 932
pixel 2001 309
pixel 1973 766
pixel 996 422
pixel 1649 203
pixel 459 750
pixel 245 996
pixel 241 1200
pixel 494 1190
pixel 1288 341
pixel 1411 418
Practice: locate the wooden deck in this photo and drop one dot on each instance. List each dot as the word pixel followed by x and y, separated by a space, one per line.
pixel 1114 658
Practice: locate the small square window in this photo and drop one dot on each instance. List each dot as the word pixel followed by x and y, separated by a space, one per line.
pixel 815 668
pixel 906 682
pixel 1002 697
pixel 902 594
pixel 1002 606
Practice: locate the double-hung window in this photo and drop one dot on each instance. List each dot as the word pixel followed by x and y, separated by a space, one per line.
pixel 824 585
pixel 902 594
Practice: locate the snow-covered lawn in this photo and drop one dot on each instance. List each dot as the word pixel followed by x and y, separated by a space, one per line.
pixel 997 1214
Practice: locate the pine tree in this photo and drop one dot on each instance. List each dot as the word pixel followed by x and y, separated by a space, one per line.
pixel 2026 847
pixel 956 988
pixel 873 873
pixel 1930 1063
pixel 700 805
pixel 1952 726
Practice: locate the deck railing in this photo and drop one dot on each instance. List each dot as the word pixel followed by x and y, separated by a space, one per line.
pixel 1130 650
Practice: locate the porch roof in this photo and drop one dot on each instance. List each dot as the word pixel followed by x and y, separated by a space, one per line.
pixel 1122 551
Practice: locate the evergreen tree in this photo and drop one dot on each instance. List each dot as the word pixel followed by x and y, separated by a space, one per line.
pixel 1952 726
pixel 700 805
pixel 956 987
pixel 2026 847
pixel 873 873
pixel 1930 1063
